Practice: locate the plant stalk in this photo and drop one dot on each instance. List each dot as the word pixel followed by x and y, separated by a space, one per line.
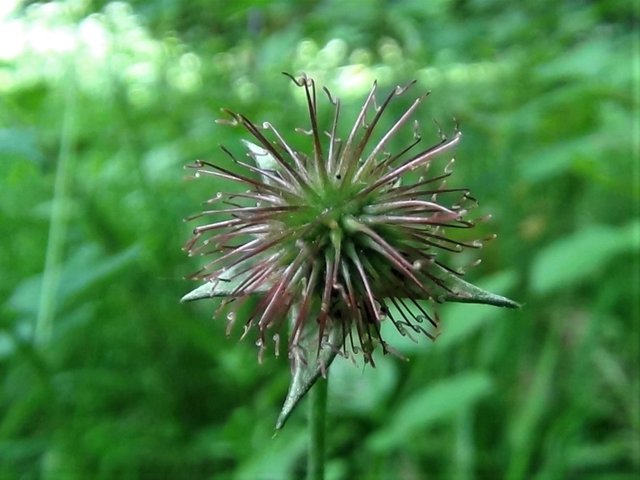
pixel 317 429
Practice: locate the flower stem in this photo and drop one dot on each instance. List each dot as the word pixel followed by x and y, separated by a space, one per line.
pixel 317 429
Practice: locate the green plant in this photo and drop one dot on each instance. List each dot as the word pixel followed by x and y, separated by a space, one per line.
pixel 335 239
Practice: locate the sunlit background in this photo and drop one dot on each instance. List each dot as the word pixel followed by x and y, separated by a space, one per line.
pixel 104 375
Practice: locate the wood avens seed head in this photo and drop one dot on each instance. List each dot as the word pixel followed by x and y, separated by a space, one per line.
pixel 338 238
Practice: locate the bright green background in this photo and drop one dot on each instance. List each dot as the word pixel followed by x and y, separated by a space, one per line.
pixel 101 105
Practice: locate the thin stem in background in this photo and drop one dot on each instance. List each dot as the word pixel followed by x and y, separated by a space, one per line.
pixel 58 225
pixel 317 429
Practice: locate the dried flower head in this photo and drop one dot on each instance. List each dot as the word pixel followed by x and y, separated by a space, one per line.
pixel 335 240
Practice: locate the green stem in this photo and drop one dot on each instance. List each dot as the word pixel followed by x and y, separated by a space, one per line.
pixel 317 429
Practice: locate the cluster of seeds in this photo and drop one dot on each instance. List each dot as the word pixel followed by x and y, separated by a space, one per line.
pixel 336 239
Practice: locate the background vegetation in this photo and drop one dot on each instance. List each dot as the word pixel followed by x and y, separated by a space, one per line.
pixel 104 375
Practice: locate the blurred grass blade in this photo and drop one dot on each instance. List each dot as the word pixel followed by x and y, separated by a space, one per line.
pixel 59 211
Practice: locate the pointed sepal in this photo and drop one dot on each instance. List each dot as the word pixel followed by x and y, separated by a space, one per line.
pixel 462 291
pixel 263 158
pixel 307 368
pixel 226 285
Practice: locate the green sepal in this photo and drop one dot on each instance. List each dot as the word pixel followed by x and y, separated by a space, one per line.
pixel 306 372
pixel 225 285
pixel 263 158
pixel 465 292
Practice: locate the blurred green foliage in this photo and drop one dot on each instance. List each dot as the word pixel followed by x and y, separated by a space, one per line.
pixel 104 375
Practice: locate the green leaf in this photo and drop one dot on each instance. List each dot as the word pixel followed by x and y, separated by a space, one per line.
pixel 276 458
pixel 85 268
pixel 21 143
pixel 439 401
pixel 580 256
pixel 358 391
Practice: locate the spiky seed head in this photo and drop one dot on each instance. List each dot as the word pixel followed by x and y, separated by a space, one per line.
pixel 338 237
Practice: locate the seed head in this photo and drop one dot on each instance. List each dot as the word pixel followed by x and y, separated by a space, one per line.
pixel 338 238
